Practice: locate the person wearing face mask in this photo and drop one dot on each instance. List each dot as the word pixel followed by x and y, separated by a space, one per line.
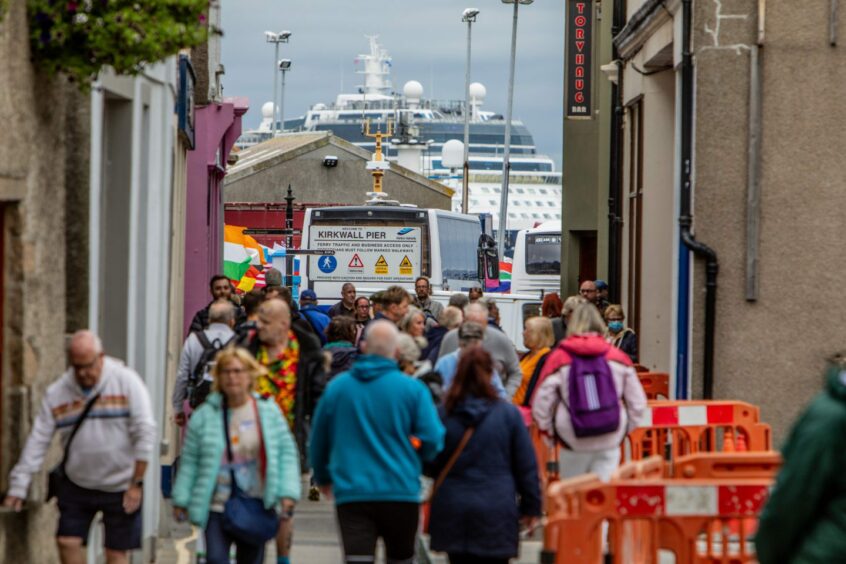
pixel 619 335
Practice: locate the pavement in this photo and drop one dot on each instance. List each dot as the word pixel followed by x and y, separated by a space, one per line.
pixel 315 541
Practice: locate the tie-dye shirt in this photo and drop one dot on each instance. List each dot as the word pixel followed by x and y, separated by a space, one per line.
pixel 281 381
pixel 243 434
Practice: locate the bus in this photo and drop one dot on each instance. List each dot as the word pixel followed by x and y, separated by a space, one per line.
pixel 384 245
pixel 537 260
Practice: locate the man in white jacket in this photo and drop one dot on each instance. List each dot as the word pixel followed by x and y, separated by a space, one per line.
pixel 107 458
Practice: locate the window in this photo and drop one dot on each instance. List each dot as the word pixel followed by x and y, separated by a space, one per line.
pixel 547 216
pixel 539 204
pixel 520 191
pixel 493 202
pixel 543 253
pixel 496 190
pixel 486 190
pixel 542 190
pixel 524 215
pixel 512 215
pixel 458 256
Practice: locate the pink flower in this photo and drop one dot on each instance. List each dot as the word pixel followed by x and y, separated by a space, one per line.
pixel 72 6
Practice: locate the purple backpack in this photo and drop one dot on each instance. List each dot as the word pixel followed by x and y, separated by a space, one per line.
pixel 594 406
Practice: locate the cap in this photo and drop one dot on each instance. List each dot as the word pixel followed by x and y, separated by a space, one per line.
pixel 272 277
pixel 308 295
pixel 471 331
pixel 601 284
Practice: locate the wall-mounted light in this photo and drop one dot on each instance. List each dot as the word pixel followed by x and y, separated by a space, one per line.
pixel 330 161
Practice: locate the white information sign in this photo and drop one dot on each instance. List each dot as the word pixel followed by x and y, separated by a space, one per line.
pixel 365 253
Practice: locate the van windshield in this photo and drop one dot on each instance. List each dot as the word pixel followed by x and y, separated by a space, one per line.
pixel 543 253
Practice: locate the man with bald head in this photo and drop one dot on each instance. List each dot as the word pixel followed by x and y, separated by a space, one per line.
pixel 193 382
pixel 373 429
pixel 295 379
pixel 588 291
pixel 495 342
pixel 104 464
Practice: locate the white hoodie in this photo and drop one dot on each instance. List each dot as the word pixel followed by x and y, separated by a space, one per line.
pixel 118 430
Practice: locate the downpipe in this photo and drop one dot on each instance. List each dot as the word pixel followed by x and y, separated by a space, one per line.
pixel 685 218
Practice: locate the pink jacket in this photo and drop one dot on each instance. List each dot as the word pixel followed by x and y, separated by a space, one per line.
pixel 546 404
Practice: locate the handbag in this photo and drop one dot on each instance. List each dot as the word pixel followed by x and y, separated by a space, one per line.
pixel 245 518
pixel 57 477
pixel 427 505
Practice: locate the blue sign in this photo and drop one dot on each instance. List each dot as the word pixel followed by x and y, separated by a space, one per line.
pixel 327 264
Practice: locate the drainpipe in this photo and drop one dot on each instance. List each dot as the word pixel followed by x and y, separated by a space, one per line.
pixel 615 203
pixel 685 218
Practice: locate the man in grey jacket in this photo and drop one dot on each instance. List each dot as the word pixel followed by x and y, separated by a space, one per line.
pixel 107 458
pixel 219 333
pixel 495 342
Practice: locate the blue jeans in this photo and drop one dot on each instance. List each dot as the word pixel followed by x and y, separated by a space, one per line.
pixel 218 544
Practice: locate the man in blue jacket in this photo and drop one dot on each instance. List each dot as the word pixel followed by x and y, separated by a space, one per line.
pixel 373 429
pixel 316 318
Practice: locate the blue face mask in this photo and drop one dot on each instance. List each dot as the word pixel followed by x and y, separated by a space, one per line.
pixel 615 326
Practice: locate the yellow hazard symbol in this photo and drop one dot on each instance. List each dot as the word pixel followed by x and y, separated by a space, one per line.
pixel 381 265
pixel 405 266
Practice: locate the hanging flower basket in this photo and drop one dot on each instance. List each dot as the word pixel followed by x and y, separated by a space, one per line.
pixel 78 37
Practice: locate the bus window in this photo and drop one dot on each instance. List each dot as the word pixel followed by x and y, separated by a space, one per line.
pixel 543 253
pixel 458 258
pixel 530 310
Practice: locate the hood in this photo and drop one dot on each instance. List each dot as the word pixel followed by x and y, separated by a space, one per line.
pixel 836 381
pixel 472 410
pixel 370 367
pixel 591 344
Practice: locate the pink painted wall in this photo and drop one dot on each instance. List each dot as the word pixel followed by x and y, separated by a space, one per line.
pixel 216 128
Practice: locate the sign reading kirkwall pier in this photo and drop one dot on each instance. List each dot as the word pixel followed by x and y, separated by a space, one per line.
pixel 578 74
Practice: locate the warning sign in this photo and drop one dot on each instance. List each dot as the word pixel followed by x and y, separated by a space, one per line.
pixel 381 265
pixel 405 266
pixel 356 262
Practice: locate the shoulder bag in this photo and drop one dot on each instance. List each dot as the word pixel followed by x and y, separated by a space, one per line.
pixel 427 506
pixel 57 477
pixel 245 518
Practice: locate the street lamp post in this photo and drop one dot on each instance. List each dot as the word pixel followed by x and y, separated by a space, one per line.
pixel 276 39
pixel 284 66
pixel 469 16
pixel 506 163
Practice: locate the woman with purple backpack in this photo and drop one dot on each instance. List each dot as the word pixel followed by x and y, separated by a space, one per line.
pixel 591 398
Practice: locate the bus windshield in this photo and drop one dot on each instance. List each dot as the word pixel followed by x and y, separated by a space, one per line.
pixel 543 253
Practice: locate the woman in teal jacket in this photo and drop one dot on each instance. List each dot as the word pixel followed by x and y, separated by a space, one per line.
pixel 264 461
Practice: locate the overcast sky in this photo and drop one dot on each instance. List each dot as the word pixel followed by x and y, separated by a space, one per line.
pixel 426 40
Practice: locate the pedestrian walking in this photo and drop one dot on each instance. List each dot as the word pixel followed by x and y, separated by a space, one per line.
pixel 347 304
pixel 424 302
pixel 250 302
pixel 487 482
pixel 240 469
pixel 373 429
pixel 341 346
pixel 591 398
pixel 495 342
pixel 413 324
pixel 601 295
pixel 804 519
pixel 318 320
pixel 588 291
pixel 394 303
pixel 193 377
pixel 294 379
pixel 459 300
pixel 221 289
pixel 559 324
pixel 362 316
pixel 551 306
pixel 619 335
pixel 470 335
pixel 474 292
pixel 101 411
pixel 537 338
pixel 450 318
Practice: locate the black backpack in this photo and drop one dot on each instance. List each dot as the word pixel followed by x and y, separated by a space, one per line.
pixel 199 384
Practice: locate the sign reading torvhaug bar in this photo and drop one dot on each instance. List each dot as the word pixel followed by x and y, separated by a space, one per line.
pixel 578 77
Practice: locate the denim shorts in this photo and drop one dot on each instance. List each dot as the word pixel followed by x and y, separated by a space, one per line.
pixel 78 506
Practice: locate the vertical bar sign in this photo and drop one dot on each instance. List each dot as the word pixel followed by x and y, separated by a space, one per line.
pixel 579 60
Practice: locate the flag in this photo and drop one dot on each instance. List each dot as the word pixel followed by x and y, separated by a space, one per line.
pixel 239 252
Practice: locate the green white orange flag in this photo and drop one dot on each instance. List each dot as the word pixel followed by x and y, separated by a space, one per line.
pixel 239 252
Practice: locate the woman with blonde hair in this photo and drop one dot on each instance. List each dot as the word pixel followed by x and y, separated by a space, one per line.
pixel 559 324
pixel 538 338
pixel 239 467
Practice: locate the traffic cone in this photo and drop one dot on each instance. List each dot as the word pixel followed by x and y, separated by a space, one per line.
pixel 741 442
pixel 728 440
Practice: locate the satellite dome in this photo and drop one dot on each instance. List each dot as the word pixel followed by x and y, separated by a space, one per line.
pixel 413 90
pixel 267 110
pixel 452 154
pixel 478 91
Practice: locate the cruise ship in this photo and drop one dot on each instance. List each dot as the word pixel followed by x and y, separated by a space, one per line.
pixel 421 128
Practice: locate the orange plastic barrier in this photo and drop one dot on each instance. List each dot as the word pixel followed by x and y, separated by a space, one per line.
pixel 727 465
pixel 546 456
pixel 640 368
pixel 686 517
pixel 689 427
pixel 655 384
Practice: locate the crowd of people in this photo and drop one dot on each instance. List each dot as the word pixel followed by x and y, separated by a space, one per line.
pixel 365 397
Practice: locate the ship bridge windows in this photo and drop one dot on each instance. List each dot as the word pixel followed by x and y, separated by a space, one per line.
pixel 493 202
pixel 521 191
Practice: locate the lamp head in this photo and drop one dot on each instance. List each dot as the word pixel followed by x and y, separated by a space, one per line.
pixel 270 36
pixel 284 35
pixel 469 15
pixel 516 1
pixel 284 64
